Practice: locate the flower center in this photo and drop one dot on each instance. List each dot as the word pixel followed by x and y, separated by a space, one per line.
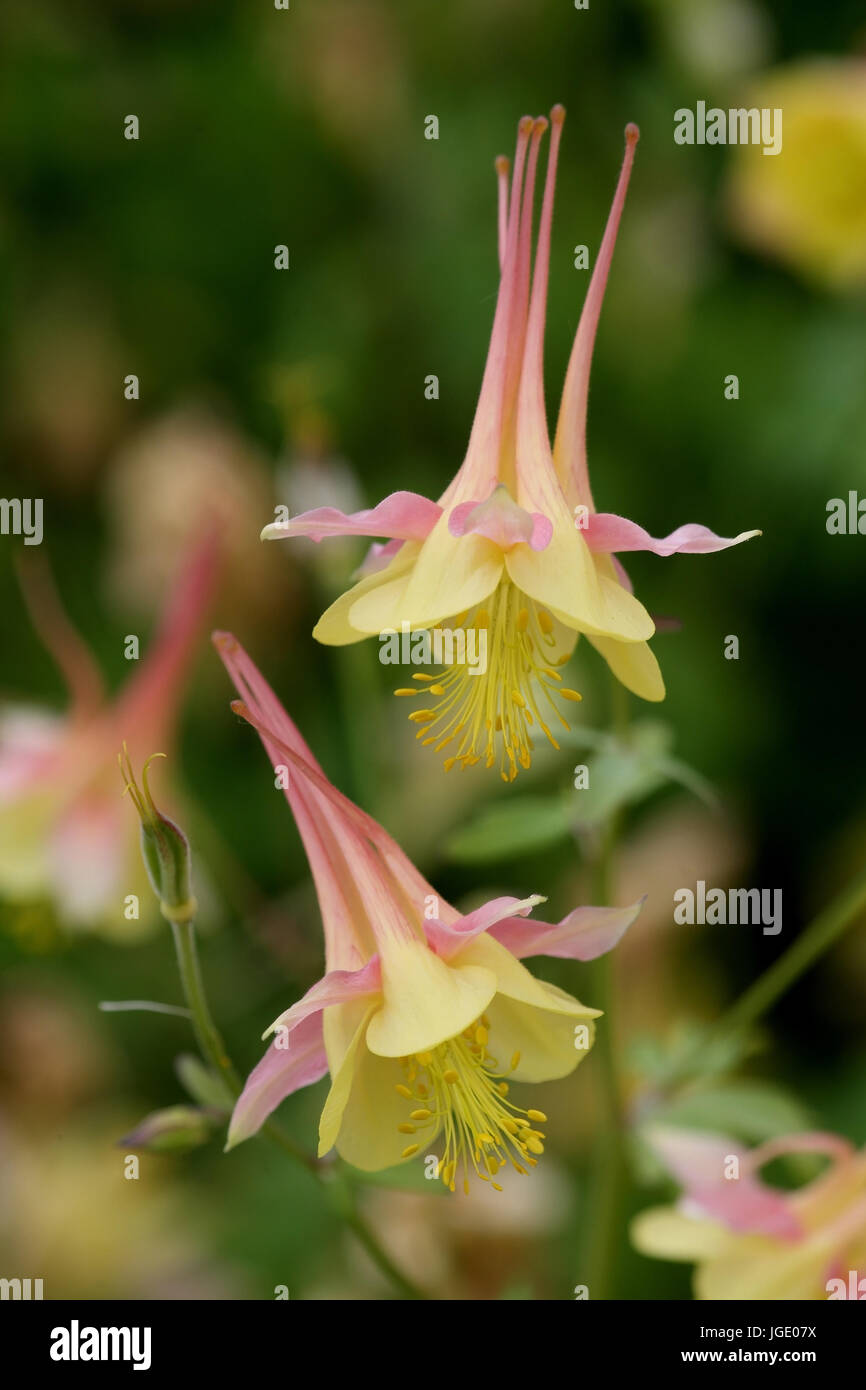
pixel 487 705
pixel 460 1088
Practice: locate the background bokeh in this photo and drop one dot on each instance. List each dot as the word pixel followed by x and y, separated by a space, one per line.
pixel 258 387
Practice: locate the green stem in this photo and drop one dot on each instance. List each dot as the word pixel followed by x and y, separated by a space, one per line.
pixel 213 1049
pixel 812 942
pixel 608 1181
pixel 207 1034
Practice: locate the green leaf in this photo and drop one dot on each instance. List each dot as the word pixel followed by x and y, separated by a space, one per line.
pixel 512 827
pixel 748 1110
pixel 203 1084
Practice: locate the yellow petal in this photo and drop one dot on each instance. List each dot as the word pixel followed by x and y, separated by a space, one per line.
pixel 425 1001
pixel 633 664
pixel 566 579
pixel 666 1233
pixel 450 574
pixel 343 1072
pixel 545 1038
pixel 369 1138
pixel 514 980
pixel 334 628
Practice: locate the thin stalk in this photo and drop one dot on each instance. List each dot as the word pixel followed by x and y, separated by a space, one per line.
pixel 810 945
pixel 608 1180
pixel 213 1049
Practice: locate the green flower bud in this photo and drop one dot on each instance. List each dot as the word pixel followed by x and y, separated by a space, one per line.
pixel 174 1130
pixel 164 847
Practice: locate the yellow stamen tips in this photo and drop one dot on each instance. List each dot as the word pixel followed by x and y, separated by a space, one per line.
pixel 407 692
pixel 570 695
pixel 482 710
pixel 483 1131
pixel 515 1062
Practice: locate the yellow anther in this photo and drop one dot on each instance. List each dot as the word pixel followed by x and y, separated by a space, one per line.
pixel 518 699
pixel 412 1149
pixel 545 622
pixel 538 1115
pixel 534 1145
pixel 419 676
pixel 420 1115
pixel 422 716
pixel 567 694
pixel 523 620
pixel 450 1076
pixel 424 1058
pixel 407 692
pixel 515 1061
pixel 403 1091
pixel 437 689
pixel 405 1129
pixel 481 1035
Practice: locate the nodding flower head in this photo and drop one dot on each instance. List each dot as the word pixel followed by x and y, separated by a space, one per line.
pixel 514 545
pixel 425 1018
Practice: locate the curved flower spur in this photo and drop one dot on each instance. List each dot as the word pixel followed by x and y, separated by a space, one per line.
pixel 424 1017
pixel 514 546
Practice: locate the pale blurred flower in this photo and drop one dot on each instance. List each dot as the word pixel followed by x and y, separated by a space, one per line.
pixel 176 473
pixel 66 834
pixel 751 1241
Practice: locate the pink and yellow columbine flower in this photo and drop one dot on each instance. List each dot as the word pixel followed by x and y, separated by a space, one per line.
pixel 424 1017
pixel 65 833
pixel 752 1241
pixel 514 545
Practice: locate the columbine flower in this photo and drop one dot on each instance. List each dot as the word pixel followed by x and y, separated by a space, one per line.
pixel 752 1241
pixel 65 833
pixel 514 545
pixel 424 1017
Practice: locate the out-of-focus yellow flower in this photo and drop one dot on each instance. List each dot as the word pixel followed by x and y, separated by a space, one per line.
pixel 807 204
pixel 751 1241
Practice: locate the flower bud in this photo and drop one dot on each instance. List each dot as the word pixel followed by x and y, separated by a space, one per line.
pixel 164 847
pixel 173 1130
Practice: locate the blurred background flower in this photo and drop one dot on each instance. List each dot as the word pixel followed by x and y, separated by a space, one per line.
pixel 305 387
